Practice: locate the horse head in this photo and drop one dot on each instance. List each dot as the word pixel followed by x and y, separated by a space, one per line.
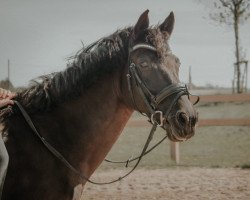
pixel 153 85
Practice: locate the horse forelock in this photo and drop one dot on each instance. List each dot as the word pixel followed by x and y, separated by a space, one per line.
pixel 159 40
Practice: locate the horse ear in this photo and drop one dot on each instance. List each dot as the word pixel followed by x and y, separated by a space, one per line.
pixel 142 24
pixel 168 24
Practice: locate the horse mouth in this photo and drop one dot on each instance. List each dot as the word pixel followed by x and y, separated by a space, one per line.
pixel 178 134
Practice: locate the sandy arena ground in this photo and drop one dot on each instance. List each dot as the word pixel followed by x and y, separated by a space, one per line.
pixel 174 184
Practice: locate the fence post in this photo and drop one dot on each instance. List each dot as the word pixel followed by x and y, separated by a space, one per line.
pixel 175 152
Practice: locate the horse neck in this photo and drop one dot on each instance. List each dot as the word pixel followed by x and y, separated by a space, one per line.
pixel 92 124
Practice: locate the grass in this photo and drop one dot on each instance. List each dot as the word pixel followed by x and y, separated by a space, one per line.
pixel 245 166
pixel 227 146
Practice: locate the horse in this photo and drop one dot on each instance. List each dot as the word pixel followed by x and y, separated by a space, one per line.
pixel 82 110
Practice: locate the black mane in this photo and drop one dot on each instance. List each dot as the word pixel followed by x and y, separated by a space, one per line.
pixel 102 57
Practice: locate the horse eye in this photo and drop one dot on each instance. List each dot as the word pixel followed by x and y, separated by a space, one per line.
pixel 144 64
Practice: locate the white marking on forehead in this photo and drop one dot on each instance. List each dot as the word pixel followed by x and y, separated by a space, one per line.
pixel 144 46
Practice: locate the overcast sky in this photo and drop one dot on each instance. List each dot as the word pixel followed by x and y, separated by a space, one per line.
pixel 38 36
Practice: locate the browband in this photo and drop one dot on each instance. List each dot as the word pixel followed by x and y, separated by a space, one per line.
pixel 144 46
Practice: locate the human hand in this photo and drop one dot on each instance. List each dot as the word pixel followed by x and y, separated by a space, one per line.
pixel 5 97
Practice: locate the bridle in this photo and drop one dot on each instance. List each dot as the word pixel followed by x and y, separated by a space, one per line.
pixel 149 99
pixel 156 117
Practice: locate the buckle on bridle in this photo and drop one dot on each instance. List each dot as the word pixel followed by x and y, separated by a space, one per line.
pixel 161 118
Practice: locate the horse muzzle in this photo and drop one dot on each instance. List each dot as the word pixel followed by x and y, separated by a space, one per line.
pixel 181 126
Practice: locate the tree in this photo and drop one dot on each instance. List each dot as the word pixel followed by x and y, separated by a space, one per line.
pixel 6 84
pixel 232 13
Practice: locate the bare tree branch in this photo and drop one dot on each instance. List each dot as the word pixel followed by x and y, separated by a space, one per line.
pixel 226 4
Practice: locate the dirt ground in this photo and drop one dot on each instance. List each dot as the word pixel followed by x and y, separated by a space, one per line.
pixel 174 184
pixel 212 146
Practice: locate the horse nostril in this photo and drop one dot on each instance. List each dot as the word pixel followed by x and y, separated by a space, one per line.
pixel 193 121
pixel 182 118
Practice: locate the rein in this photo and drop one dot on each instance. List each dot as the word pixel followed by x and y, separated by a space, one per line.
pixel 149 99
pixel 60 157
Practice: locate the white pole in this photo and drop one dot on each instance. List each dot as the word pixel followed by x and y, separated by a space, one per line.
pixel 8 74
pixel 175 151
